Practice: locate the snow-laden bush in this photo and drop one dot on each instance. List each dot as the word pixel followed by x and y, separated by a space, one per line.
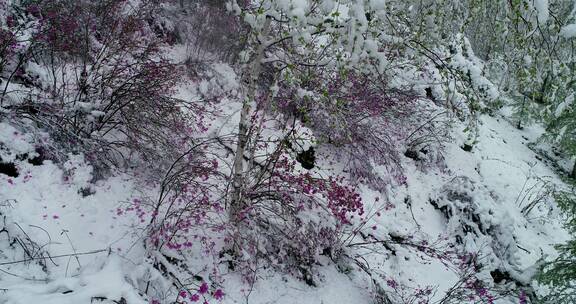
pixel 104 87
pixel 471 214
pixel 355 115
pixel 291 218
pixel 469 210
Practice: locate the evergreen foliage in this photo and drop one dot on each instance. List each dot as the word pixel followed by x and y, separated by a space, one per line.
pixel 560 274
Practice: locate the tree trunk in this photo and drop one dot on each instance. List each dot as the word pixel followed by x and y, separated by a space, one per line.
pixel 519 125
pixel 237 203
pixel 573 175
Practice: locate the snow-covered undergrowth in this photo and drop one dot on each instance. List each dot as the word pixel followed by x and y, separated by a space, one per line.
pixel 281 152
pixel 72 242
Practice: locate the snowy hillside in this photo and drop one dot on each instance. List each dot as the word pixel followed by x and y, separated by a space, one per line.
pixel 282 152
pixel 84 244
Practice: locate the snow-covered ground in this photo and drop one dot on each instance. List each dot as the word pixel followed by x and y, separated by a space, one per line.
pixel 84 249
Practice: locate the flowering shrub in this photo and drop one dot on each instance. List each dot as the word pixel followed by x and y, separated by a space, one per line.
pixel 358 116
pixel 7 35
pixel 184 207
pixel 109 88
pixel 16 37
pixel 294 217
pixel 185 221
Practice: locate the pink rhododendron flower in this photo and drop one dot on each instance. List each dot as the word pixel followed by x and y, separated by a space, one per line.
pixel 195 298
pixel 218 294
pixel 203 288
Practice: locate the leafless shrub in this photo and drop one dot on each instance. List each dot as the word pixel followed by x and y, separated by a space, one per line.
pixel 209 31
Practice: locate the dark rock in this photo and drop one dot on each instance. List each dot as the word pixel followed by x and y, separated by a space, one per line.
pixel 429 94
pixel 467 147
pixel 86 191
pixel 9 169
pixel 500 276
pixel 412 154
pixel 307 158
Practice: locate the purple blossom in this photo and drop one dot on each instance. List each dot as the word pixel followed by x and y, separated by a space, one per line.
pixel 203 288
pixel 195 297
pixel 218 294
pixel 523 298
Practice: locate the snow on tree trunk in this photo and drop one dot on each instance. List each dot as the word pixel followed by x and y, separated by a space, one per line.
pixel 236 200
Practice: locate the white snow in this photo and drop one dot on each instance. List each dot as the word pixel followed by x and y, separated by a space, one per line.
pixel 541 7
pixel 564 105
pixel 568 31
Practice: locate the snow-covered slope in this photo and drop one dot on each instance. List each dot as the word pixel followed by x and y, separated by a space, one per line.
pixel 173 152
pixel 67 240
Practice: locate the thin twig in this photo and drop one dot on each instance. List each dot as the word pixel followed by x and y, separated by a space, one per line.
pixel 54 257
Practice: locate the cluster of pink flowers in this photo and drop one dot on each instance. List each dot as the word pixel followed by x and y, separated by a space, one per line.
pixel 202 293
pixel 479 292
pixel 343 200
pixel 523 299
pixel 136 207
